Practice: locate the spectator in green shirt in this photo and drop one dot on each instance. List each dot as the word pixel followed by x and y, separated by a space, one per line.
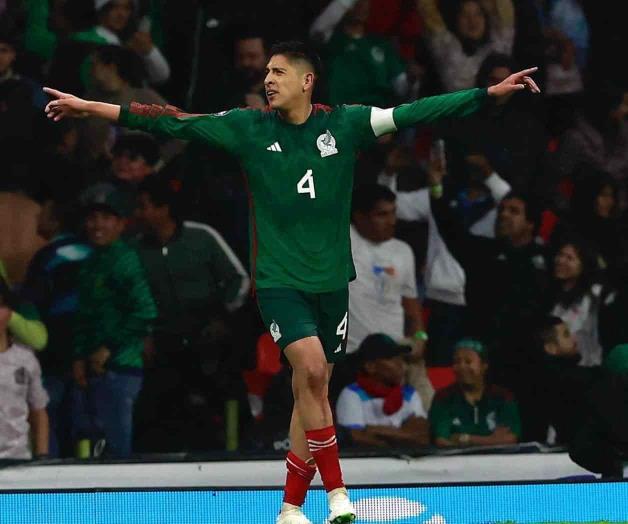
pixel 472 412
pixel 362 68
pixel 116 312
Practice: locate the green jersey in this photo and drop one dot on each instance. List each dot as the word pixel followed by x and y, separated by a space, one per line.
pixel 300 177
pixel 451 413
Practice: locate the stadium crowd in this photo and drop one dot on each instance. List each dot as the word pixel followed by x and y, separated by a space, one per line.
pixel 491 253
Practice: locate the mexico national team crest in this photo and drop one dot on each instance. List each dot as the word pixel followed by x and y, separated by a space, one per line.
pixel 326 144
pixel 274 331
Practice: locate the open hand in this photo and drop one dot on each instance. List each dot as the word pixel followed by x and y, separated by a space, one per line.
pixel 515 82
pixel 64 105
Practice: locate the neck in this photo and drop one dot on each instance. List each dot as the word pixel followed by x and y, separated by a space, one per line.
pixel 472 392
pixel 521 241
pixel 569 284
pixel 297 115
pixel 164 232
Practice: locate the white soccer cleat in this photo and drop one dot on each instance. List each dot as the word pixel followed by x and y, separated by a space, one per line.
pixel 341 511
pixel 292 515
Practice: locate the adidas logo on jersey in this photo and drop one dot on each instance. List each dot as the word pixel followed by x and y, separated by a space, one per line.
pixel 274 147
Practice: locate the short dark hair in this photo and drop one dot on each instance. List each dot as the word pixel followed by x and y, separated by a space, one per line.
pixel 366 197
pixel 129 64
pixel 296 50
pixel 161 192
pixel 532 206
pixel 138 144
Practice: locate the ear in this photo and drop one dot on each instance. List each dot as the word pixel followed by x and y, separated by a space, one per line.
pixel 308 81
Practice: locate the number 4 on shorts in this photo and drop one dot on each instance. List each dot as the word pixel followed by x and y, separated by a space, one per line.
pixel 341 330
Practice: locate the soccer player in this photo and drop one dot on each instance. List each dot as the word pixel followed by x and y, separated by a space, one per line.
pixel 299 160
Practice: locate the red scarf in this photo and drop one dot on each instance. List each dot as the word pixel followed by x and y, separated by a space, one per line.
pixel 392 395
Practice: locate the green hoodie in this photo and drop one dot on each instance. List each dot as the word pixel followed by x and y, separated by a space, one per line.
pixel 116 308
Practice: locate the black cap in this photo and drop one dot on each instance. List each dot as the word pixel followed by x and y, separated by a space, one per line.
pixel 379 345
pixel 107 197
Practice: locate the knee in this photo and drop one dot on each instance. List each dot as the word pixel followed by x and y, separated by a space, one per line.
pixel 311 378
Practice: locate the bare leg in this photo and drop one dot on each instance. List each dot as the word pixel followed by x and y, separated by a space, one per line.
pixel 298 442
pixel 309 382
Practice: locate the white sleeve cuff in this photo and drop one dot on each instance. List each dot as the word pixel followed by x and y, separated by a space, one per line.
pixel 382 121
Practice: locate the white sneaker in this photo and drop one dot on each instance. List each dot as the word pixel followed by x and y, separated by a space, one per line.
pixel 292 515
pixel 341 511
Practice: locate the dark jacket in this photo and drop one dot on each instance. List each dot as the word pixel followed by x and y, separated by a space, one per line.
pixel 191 277
pixel 51 285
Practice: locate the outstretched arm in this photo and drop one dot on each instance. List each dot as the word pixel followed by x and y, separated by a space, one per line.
pixel 66 105
pixel 218 130
pixel 462 103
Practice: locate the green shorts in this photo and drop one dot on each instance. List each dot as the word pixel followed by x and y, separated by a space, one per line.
pixel 291 315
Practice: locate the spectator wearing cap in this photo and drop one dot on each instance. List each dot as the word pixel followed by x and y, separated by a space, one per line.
pixel 116 312
pixel 601 441
pixel 562 384
pixel 361 68
pixel 384 298
pixel 461 37
pixel 472 412
pixel 198 284
pixel 22 396
pixel 51 285
pixel 378 409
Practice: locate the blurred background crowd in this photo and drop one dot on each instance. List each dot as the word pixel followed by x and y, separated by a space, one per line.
pixel 489 313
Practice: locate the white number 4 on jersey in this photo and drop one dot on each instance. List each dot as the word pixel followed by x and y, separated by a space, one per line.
pixel 306 184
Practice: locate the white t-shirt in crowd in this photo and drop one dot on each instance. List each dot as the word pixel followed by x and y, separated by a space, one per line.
pixel 21 390
pixel 385 274
pixel 356 409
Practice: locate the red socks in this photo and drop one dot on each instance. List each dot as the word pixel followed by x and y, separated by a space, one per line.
pixel 324 449
pixel 298 479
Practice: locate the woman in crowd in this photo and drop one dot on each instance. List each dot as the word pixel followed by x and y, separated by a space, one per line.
pixel 472 412
pixel 477 29
pixel 577 294
pixel 595 215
